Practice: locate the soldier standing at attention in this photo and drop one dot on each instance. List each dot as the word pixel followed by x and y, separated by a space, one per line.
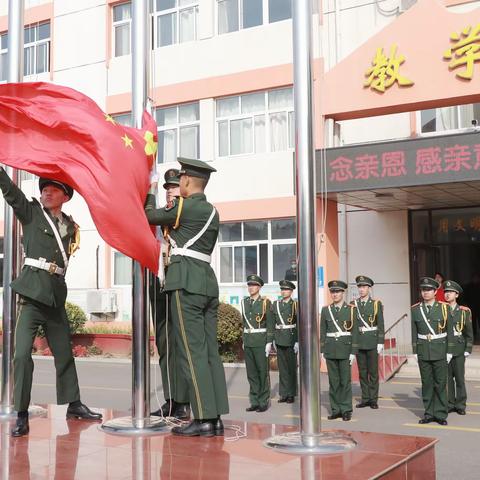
pixel 49 238
pixel 429 343
pixel 460 342
pixel 257 343
pixel 193 288
pixel 175 386
pixel 339 344
pixel 369 316
pixel 286 341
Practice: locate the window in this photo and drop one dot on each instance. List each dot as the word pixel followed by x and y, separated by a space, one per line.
pixel 37 49
pixel 449 118
pixel 175 21
pixel 36 53
pixel 255 122
pixel 178 132
pixel 279 10
pixel 122 24
pixel 124 119
pixel 263 247
pixel 122 269
pixel 234 15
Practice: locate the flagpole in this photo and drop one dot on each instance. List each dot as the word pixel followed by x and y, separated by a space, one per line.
pixel 11 230
pixel 310 439
pixel 140 423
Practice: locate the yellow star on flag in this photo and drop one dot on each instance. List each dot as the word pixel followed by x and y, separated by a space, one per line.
pixel 150 143
pixel 128 141
pixel 110 119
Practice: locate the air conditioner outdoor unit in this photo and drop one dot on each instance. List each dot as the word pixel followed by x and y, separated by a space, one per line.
pixel 406 4
pixel 102 301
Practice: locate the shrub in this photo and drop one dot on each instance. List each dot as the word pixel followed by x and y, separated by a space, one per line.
pixel 229 331
pixel 79 351
pixel 76 319
pixel 109 329
pixel 94 350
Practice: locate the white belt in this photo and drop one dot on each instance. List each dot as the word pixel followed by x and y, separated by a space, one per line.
pixel 254 330
pixel 42 264
pixel 457 334
pixel 432 337
pixel 368 329
pixel 284 327
pixel 338 334
pixel 186 252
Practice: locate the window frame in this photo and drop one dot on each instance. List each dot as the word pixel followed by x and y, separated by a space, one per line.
pixel 242 243
pixel 120 23
pixel 266 112
pixel 177 126
pixel 113 253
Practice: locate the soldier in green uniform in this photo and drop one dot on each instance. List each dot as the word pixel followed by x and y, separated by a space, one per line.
pixel 257 343
pixel 461 342
pixel 339 344
pixel 193 289
pixel 175 386
pixel 370 324
pixel 286 341
pixel 430 345
pixel 49 238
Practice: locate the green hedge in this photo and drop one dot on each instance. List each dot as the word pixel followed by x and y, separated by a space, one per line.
pixel 229 332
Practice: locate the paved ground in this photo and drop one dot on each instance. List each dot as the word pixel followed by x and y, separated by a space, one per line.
pixel 107 384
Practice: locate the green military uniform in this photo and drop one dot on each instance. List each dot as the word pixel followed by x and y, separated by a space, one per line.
pixel 174 383
pixel 257 333
pixel 338 341
pixel 371 332
pixel 286 343
pixel 193 289
pixel 43 292
pixel 460 345
pixel 429 342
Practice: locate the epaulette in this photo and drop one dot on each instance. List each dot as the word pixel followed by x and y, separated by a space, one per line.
pixel 463 307
pixel 416 304
pixel 351 305
pixel 442 302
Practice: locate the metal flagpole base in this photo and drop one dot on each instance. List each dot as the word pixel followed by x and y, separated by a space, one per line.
pixel 33 411
pixel 7 416
pixel 325 443
pixel 125 426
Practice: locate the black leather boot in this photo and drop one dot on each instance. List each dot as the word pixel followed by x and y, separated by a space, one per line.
pixel 218 427
pixel 181 411
pixel 82 412
pixel 196 428
pixel 21 428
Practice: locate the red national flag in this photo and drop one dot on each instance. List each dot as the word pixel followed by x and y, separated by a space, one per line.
pixel 59 133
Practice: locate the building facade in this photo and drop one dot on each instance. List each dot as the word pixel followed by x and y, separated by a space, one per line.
pixel 221 84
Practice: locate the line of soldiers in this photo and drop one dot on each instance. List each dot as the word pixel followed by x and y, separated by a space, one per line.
pixel 442 338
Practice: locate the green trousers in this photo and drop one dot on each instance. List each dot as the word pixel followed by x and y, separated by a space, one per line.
pixel 340 385
pixel 194 319
pixel 175 385
pixel 434 387
pixel 54 321
pixel 258 376
pixel 457 391
pixel 367 361
pixel 287 369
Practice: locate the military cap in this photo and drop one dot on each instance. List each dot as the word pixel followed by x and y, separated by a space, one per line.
pixel 337 285
pixel 286 285
pixel 171 177
pixel 363 280
pixel 43 182
pixel 195 168
pixel 428 283
pixel 254 280
pixel 451 286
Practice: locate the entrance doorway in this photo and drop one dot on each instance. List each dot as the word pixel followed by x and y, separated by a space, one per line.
pixel 447 241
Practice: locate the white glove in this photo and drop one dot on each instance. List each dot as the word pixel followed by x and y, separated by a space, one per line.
pixel 466 354
pixel 351 358
pixel 379 348
pixel 154 177
pixel 295 348
pixel 449 357
pixel 268 349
